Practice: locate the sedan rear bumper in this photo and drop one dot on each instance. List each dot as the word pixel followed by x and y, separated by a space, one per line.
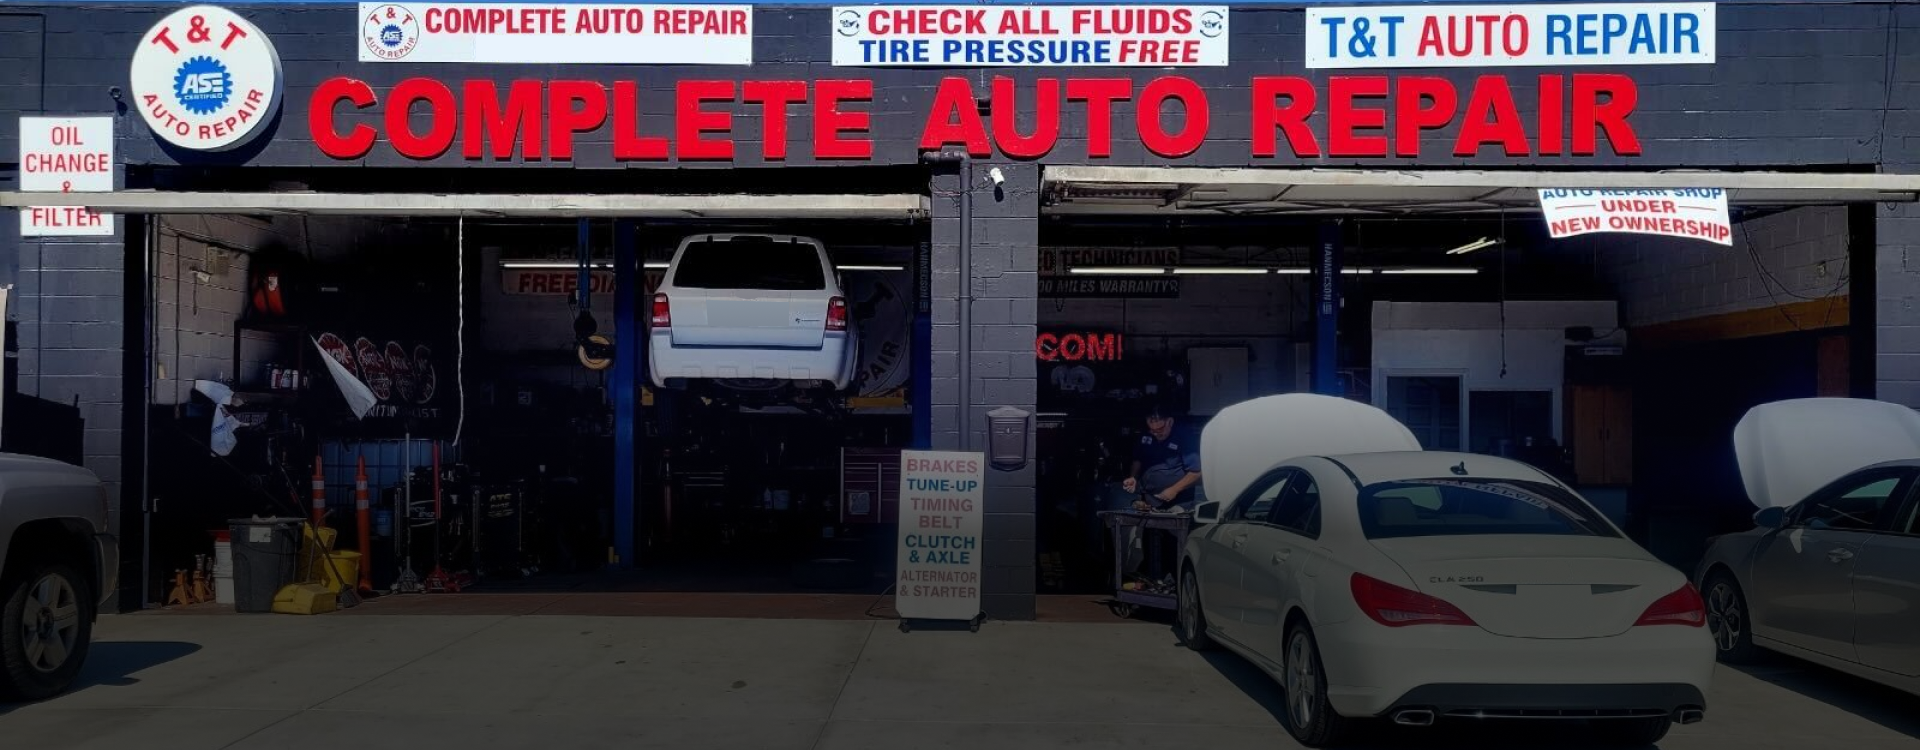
pixel 1373 670
pixel 1510 701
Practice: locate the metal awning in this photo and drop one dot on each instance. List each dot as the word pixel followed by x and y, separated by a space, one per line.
pixel 1184 190
pixel 783 206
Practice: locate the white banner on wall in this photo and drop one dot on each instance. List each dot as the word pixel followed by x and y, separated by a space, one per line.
pixel 941 494
pixel 1695 213
pixel 1159 36
pixel 66 155
pixel 561 33
pixel 1474 36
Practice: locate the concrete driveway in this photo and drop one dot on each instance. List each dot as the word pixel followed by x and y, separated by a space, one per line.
pixel 477 682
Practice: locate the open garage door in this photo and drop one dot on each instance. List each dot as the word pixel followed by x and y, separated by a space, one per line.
pixel 1149 190
pixel 487 205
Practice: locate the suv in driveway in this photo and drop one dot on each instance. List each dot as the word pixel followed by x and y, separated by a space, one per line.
pixel 57 567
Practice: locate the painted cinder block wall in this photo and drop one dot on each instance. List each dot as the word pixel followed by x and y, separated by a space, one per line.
pixel 1828 85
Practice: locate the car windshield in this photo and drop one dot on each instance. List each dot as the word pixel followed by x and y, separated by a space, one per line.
pixel 1463 507
pixel 760 263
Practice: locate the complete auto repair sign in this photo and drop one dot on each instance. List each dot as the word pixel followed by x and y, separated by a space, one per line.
pixel 558 33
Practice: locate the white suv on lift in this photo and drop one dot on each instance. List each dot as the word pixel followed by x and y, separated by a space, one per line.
pixel 751 309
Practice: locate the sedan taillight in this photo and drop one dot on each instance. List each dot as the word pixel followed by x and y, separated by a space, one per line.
pixel 837 314
pixel 1682 607
pixel 662 313
pixel 1396 607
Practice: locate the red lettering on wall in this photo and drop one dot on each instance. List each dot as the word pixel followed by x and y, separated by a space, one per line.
pixel 564 118
pixel 1270 119
pixel 1148 114
pixel 1412 113
pixel 1590 115
pixel 1046 118
pixel 692 122
pixel 628 143
pixel 320 110
pixel 1491 118
pixel 496 130
pixel 1099 94
pixel 773 98
pixel 440 118
pixel 955 118
pixel 1344 116
pixel 830 121
pixel 1076 346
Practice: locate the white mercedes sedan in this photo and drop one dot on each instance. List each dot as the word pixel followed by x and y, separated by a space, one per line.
pixel 1377 580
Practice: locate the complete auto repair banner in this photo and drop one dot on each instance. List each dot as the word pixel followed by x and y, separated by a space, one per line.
pixel 1170 116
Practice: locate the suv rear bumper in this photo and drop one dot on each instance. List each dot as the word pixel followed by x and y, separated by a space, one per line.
pixel 106 555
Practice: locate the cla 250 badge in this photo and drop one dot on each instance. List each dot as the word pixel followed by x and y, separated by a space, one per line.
pixel 1456 579
pixel 206 79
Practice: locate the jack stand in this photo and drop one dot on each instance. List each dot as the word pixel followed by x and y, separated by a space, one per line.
pixel 409 582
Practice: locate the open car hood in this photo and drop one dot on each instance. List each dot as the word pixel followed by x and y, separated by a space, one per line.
pixel 1788 449
pixel 1250 438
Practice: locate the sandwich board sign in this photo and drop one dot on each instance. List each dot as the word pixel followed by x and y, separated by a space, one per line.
pixel 938 560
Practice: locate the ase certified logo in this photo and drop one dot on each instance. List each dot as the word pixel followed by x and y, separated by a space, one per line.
pixel 206 79
pixel 390 32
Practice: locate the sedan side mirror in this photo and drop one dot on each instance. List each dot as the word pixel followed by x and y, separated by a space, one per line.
pixel 1771 518
pixel 1207 512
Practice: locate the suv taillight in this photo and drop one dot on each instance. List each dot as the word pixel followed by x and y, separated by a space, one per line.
pixel 662 313
pixel 1395 607
pixel 837 314
pixel 1682 607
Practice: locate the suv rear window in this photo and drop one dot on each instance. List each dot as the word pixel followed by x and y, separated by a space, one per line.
pixel 1450 507
pixel 750 263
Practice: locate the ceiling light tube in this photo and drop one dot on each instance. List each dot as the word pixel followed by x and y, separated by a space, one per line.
pixel 654 264
pixel 1431 271
pixel 1219 271
pixel 1120 270
pixel 548 264
pixel 1294 271
pixel 1356 270
pixel 1479 244
pixel 872 268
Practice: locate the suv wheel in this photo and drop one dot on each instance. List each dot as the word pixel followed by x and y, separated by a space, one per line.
pixel 46 628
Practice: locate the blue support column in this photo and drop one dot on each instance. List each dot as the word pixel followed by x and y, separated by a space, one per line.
pixel 922 389
pixel 629 348
pixel 1326 334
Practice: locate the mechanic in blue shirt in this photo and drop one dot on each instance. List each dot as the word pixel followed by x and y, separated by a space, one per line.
pixel 1166 467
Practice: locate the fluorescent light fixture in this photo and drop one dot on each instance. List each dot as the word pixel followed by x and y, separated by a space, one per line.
pixel 654 264
pixel 1294 271
pixel 1356 270
pixel 1479 244
pixel 1120 270
pixel 870 268
pixel 1431 271
pixel 1220 271
pixel 548 264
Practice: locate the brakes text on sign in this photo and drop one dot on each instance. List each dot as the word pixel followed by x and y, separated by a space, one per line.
pixel 65 155
pixel 1442 36
pixel 938 559
pixel 1075 35
pixel 1695 213
pixel 580 33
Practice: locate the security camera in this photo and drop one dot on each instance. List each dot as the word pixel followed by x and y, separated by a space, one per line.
pixel 998 178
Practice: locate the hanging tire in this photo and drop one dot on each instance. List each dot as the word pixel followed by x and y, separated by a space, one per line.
pixel 1729 620
pixel 46 629
pixel 1192 618
pixel 1632 732
pixel 1310 717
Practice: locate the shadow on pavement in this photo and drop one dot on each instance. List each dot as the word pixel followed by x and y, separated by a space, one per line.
pixel 113 664
pixel 1872 701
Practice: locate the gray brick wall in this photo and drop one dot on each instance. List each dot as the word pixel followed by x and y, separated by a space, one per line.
pixel 1778 259
pixel 1005 281
pixel 1896 272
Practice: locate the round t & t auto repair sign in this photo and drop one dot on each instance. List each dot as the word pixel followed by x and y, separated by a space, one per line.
pixel 206 79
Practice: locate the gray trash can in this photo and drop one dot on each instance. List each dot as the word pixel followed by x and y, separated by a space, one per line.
pixel 265 559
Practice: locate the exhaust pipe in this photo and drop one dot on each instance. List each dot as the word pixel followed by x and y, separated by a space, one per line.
pixel 1692 715
pixel 1414 717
